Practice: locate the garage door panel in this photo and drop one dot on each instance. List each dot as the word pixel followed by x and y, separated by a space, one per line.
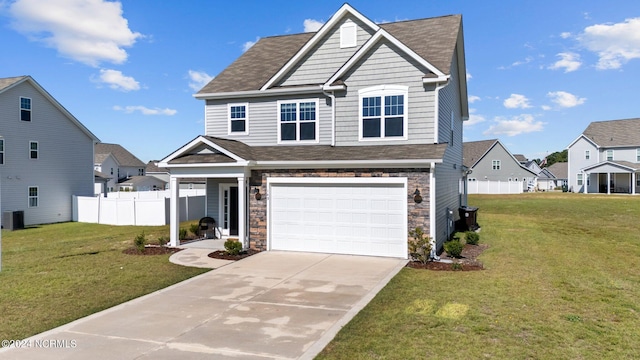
pixel 365 219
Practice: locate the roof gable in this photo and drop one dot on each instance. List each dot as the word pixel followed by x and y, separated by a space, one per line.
pixel 122 156
pixel 474 151
pixel 8 83
pixel 614 133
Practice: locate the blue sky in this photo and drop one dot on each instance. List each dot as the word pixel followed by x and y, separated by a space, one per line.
pixel 538 71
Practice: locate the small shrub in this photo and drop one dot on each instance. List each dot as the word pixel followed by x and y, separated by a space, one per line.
pixel 194 228
pixel 472 237
pixel 163 240
pixel 456 267
pixel 454 248
pixel 233 247
pixel 140 241
pixel 182 233
pixel 419 245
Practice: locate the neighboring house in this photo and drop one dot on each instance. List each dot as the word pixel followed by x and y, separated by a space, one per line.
pixel 560 171
pixel 605 158
pixel 100 183
pixel 152 169
pixel 142 183
pixel 163 174
pixel 336 141
pixel 118 163
pixel 46 154
pixel 489 160
pixel 546 180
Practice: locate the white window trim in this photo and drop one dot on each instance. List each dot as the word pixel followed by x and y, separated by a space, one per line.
pixel 37 150
pixel 638 155
pixel 494 163
pixel 587 154
pixel 4 157
pixel 29 197
pixel 30 110
pixel 246 119
pixel 348 35
pixel 606 155
pixel 382 91
pixel 579 179
pixel 297 140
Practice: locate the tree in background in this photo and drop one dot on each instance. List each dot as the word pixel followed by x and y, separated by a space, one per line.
pixel 558 156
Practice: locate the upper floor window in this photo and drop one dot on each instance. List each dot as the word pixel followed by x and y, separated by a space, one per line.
pixel 238 118
pixel 495 164
pixel 25 109
pixel 383 112
pixel 33 149
pixel 111 171
pixel 33 196
pixel 1 151
pixel 609 155
pixel 587 154
pixel 298 120
pixel 140 172
pixel 637 155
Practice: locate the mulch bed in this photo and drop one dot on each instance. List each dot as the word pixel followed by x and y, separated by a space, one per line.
pixel 222 254
pixel 467 262
pixel 151 250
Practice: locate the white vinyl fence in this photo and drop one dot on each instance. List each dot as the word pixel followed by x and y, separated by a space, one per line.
pixel 134 211
pixel 495 187
pixel 154 194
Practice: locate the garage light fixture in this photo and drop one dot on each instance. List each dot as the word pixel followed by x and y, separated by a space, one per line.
pixel 417 197
pixel 258 195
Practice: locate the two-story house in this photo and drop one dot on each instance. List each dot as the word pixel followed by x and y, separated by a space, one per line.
pixel 605 158
pixel 337 141
pixel 118 163
pixel 490 160
pixel 46 154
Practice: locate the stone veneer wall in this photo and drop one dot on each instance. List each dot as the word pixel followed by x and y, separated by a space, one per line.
pixel 418 214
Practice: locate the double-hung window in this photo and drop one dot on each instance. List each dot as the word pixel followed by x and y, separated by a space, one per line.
pixel 609 155
pixel 637 155
pixel 298 121
pixel 33 149
pixel 25 109
pixel 495 164
pixel 1 151
pixel 587 154
pixel 33 196
pixel 238 118
pixel 383 112
pixel 579 179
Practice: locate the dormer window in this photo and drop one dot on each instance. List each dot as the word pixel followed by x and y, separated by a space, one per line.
pixel 298 121
pixel 383 112
pixel 238 118
pixel 25 109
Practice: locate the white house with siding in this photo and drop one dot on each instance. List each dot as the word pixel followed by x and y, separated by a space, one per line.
pixel 46 154
pixel 605 158
pixel 337 141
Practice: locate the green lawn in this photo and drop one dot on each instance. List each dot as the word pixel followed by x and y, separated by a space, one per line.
pixel 562 281
pixel 53 274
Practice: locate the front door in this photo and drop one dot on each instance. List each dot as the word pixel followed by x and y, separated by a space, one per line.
pixel 229 209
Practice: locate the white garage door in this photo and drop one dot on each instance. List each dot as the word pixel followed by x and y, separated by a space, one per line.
pixel 359 219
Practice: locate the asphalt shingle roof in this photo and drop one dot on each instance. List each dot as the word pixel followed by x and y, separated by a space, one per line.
pixel 433 39
pixel 122 155
pixel 560 170
pixel 6 82
pixel 614 132
pixel 472 151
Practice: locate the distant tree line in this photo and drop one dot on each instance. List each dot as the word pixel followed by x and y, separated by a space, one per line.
pixel 558 156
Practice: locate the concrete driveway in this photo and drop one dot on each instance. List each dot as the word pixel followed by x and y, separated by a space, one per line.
pixel 273 305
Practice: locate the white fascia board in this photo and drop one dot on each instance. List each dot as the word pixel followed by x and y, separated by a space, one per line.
pixel 611 163
pixel 259 93
pixel 583 136
pixel 381 33
pixel 334 87
pixel 346 164
pixel 344 9
pixel 438 80
pixel 240 164
pixel 337 180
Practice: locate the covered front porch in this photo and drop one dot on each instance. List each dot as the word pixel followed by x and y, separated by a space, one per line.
pixel 612 177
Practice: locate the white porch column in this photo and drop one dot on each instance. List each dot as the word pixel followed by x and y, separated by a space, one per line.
pixel 608 183
pixel 242 211
pixel 174 211
pixel 633 183
pixel 584 183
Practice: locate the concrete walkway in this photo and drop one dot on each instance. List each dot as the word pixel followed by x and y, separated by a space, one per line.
pixel 195 254
pixel 272 305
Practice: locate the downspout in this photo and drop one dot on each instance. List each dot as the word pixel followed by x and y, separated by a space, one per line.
pixel 439 86
pixel 432 210
pixel 332 96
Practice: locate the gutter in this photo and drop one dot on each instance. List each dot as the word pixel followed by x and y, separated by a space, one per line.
pixel 440 84
pixel 259 93
pixel 332 96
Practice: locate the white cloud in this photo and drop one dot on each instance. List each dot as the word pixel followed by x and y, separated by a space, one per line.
pixel 568 61
pixel 517 125
pixel 473 98
pixel 546 107
pixel 469 76
pixel 198 79
pixel 145 110
pixel 527 60
pixel 615 44
pixel 117 81
pixel 474 118
pixel 565 99
pixel 565 35
pixel 246 46
pixel 88 31
pixel 517 101
pixel 311 25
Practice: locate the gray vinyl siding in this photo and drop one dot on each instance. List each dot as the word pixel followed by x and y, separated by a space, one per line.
pixel 509 167
pixel 213 199
pixel 385 65
pixel 65 162
pixel 577 162
pixel 448 175
pixel 326 57
pixel 264 120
